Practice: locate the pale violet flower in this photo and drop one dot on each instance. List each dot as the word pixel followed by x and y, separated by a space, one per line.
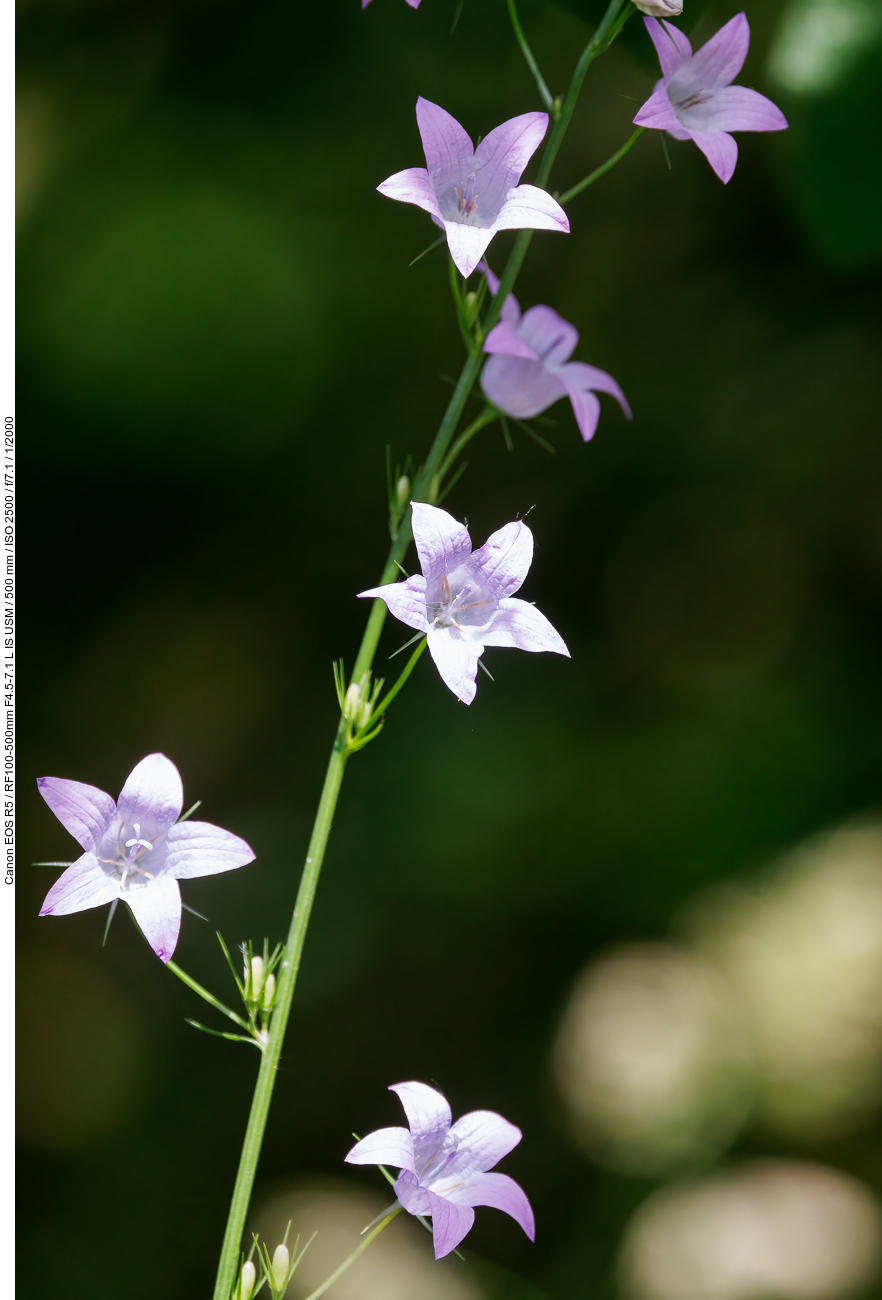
pixel 463 599
pixel 472 193
pixel 695 99
pixel 655 8
pixel 444 1166
pixel 528 369
pixel 136 850
pixel 414 4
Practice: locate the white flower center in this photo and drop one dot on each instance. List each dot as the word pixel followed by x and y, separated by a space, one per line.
pixel 454 610
pixel 126 865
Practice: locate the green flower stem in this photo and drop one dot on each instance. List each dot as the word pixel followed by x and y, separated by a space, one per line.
pixel 359 1250
pixel 422 488
pixel 602 169
pixel 544 93
pixel 204 993
pixel 486 417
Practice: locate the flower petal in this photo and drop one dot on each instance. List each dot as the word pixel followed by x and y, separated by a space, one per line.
pixel 82 809
pixel 657 114
pixel 519 625
pixel 411 1194
pixel 450 1223
pixel 448 149
pixel 482 1136
pixel 734 108
pixel 467 244
pixel 550 336
pixel 511 309
pixel 520 388
pixel 500 1192
pixel 83 885
pixel 671 45
pixel 442 542
pixel 505 340
pixel 406 601
pixel 456 661
pixel 427 1111
pixel 386 1146
pixel 201 849
pixel 157 909
pixel 716 64
pixel 529 208
pixel 505 558
pixel 501 157
pixel 153 794
pixel 581 382
pixel 412 186
pixel 720 150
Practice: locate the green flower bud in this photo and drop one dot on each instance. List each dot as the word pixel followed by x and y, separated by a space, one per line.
pixel 281 1264
pixel 256 978
pixel 402 490
pixel 269 992
pixel 246 1281
pixel 351 702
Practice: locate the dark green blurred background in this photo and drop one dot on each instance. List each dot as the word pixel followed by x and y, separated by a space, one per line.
pixel 219 334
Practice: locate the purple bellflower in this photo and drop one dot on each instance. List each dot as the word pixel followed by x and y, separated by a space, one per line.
pixel 528 368
pixel 463 600
pixel 472 193
pixel 657 8
pixel 136 850
pixel 695 98
pixel 444 1166
pixel 414 4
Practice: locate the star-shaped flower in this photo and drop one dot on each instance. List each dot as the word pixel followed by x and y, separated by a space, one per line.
pixel 444 1166
pixel 136 850
pixel 471 193
pixel 463 600
pixel 528 368
pixel 695 98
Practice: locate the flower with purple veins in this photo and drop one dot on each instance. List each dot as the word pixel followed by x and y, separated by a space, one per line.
pixel 528 370
pixel 136 850
pixel 695 99
pixel 472 193
pixel 463 600
pixel 445 1166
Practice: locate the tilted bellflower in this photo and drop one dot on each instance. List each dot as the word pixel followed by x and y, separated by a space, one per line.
pixel 463 600
pixel 444 1166
pixel 472 193
pixel 695 99
pixel 528 369
pixel 657 8
pixel 136 850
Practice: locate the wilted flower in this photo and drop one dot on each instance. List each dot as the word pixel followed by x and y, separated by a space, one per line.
pixel 655 8
pixel 463 600
pixel 472 193
pixel 444 1165
pixel 528 370
pixel 695 100
pixel 136 850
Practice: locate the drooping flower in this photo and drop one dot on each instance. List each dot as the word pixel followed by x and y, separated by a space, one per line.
pixel 472 193
pixel 136 850
pixel 444 1166
pixel 695 99
pixel 656 8
pixel 528 370
pixel 463 600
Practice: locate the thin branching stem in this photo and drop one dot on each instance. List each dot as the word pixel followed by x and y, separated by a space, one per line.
pixel 421 491
pixel 602 169
pixel 544 93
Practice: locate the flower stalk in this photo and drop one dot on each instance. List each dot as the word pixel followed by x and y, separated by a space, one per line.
pixel 426 478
